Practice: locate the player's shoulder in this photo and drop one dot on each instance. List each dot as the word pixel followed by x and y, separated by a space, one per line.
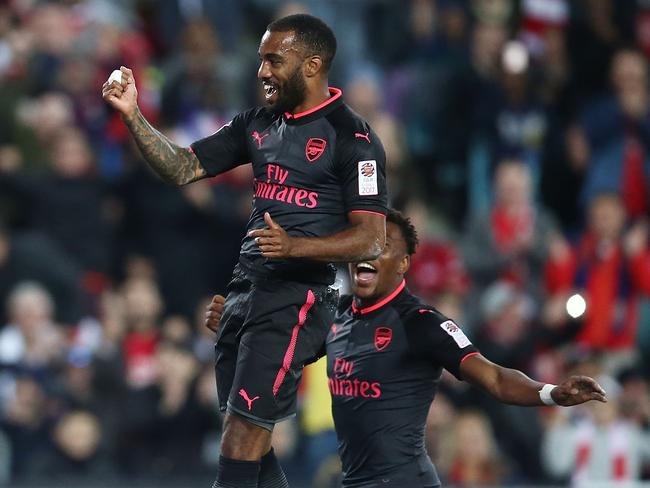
pixel 252 119
pixel 350 126
pixel 424 324
pixel 416 313
pixel 256 113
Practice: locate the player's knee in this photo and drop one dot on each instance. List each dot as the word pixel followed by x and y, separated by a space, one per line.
pixel 243 440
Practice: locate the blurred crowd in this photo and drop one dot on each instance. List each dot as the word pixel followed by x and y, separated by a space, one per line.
pixel 518 140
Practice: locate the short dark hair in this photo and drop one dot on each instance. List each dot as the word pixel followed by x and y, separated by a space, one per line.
pixel 406 228
pixel 314 34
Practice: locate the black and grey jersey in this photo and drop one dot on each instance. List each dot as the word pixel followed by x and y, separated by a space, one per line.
pixel 383 365
pixel 310 170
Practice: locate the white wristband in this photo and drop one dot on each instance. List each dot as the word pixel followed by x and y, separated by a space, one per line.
pixel 545 394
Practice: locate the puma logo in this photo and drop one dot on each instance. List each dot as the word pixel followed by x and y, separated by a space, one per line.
pixel 365 136
pixel 256 135
pixel 250 401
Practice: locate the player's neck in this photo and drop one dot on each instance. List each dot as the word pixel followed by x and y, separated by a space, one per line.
pixel 371 301
pixel 314 98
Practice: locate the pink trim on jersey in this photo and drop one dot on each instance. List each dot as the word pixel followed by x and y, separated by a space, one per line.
pixel 291 349
pixel 469 355
pixel 368 211
pixel 189 148
pixel 380 303
pixel 335 93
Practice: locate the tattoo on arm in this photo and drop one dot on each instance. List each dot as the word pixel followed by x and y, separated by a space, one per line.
pixel 171 162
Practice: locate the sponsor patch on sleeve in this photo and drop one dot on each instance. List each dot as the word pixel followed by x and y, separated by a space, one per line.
pixel 368 178
pixel 456 333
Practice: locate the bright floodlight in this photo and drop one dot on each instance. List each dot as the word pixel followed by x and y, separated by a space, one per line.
pixel 515 57
pixel 576 306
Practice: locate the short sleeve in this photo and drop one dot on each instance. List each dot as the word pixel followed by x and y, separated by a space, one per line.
pixel 226 148
pixel 361 163
pixel 434 337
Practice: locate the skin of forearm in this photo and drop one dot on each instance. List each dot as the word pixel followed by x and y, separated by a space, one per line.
pixel 174 164
pixel 515 388
pixel 357 243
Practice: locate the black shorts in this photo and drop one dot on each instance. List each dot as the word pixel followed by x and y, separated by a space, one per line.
pixel 270 329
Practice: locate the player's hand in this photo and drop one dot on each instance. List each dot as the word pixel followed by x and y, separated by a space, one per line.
pixel 274 242
pixel 213 313
pixel 123 97
pixel 576 390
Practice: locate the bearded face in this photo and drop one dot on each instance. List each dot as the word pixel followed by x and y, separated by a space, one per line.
pixel 280 70
pixel 285 96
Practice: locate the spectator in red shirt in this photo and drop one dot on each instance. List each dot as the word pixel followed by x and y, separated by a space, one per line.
pixel 143 306
pixel 508 241
pixel 610 269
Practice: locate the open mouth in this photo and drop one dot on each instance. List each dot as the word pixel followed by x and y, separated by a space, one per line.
pixel 365 273
pixel 270 91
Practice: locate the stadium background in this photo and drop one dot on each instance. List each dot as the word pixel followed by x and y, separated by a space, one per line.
pixel 517 136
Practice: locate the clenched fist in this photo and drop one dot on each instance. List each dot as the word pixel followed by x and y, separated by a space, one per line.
pixel 214 312
pixel 123 96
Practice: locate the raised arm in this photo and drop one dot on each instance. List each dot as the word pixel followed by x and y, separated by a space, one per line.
pixel 363 240
pixel 514 387
pixel 174 164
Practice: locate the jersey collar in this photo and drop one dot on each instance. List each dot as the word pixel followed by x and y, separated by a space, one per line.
pixel 380 303
pixel 334 101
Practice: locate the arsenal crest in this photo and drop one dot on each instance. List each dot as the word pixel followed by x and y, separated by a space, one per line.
pixel 383 336
pixel 315 148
